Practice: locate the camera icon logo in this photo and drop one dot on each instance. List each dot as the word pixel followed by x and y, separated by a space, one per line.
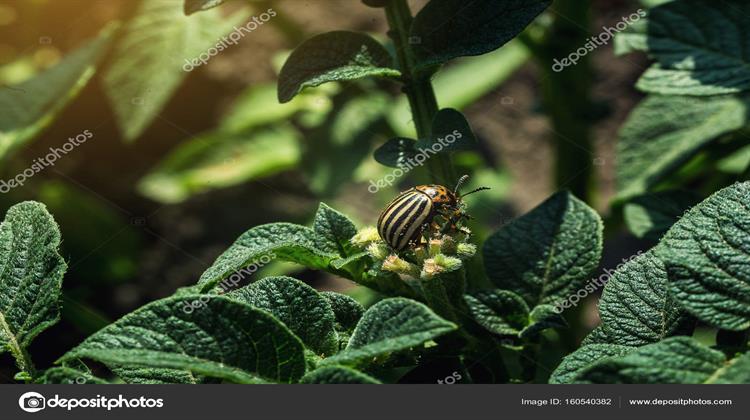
pixel 31 402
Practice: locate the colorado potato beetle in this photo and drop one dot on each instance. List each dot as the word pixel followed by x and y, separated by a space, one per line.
pixel 405 219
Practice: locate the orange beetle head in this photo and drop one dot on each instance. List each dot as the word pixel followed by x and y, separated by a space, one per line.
pixel 439 194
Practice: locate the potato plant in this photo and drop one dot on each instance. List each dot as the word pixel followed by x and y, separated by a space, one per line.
pixel 456 307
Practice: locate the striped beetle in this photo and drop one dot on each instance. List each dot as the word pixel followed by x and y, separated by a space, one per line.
pixel 405 219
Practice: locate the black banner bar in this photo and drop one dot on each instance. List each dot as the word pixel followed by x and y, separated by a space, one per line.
pixel 377 402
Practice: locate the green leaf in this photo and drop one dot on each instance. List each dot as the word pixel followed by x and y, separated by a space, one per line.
pixel 192 6
pixel 501 312
pixel 706 255
pixel 447 29
pixel 300 307
pixel 333 56
pixel 654 3
pixel 679 360
pixel 337 375
pixel 574 363
pixel 348 311
pixel 651 215
pixel 286 241
pixel 736 371
pixel 66 375
pixel 596 336
pixel 389 326
pixel 541 318
pixel 636 307
pixel 547 254
pixel 333 230
pixel 664 132
pixel 149 59
pixel 30 279
pixel 735 163
pixel 692 56
pixel 451 130
pixel 203 334
pixel 29 107
pixel 258 106
pixel 396 152
pixel 219 159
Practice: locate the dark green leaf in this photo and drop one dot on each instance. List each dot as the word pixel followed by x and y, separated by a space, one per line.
pixel 447 29
pixel 737 371
pixel 597 336
pixel 499 311
pixel 451 130
pixel 285 241
pixel 541 318
pixel 568 370
pixel 300 307
pixel 680 360
pixel 396 152
pixel 706 255
pixel 337 375
pixel 347 310
pixel 203 334
pixel 389 326
pixel 700 48
pixel 27 108
pixel 636 308
pixel 31 277
pixel 547 254
pixel 333 56
pixel 664 132
pixel 333 230
pixel 66 375
pixel 651 215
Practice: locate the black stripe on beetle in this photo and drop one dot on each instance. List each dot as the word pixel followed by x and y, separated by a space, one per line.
pixel 405 219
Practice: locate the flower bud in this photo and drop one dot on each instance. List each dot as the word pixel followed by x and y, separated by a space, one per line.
pixel 378 250
pixel 449 245
pixel 435 246
pixel 395 264
pixel 466 250
pixel 365 237
pixel 440 263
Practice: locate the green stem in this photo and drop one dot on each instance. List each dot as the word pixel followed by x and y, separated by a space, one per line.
pixel 23 360
pixel 566 95
pixel 417 87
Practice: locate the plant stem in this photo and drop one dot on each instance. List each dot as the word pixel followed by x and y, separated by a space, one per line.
pixel 417 87
pixel 23 360
pixel 566 96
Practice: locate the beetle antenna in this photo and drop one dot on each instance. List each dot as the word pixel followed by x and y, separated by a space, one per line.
pixel 459 183
pixel 475 190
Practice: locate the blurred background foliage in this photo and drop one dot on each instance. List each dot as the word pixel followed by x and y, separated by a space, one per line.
pixel 181 163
